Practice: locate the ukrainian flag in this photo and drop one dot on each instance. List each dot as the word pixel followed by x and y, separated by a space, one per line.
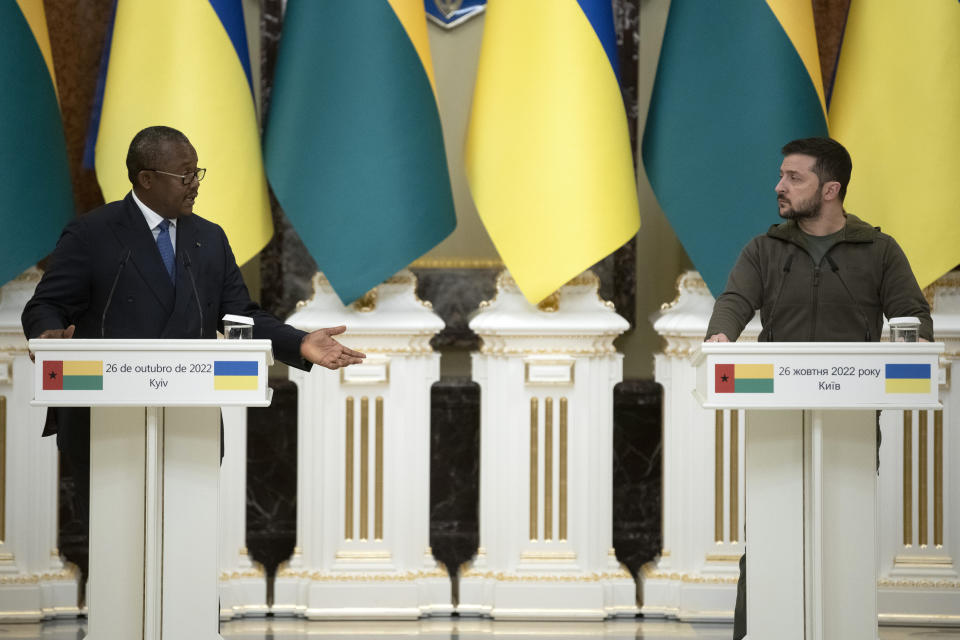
pixel 896 107
pixel 735 82
pixel 184 64
pixel 353 144
pixel 548 154
pixel 36 198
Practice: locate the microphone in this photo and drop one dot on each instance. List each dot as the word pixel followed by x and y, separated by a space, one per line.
pixel 193 283
pixel 836 270
pixel 113 289
pixel 776 301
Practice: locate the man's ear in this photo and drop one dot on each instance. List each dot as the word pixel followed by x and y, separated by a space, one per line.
pixel 144 180
pixel 831 190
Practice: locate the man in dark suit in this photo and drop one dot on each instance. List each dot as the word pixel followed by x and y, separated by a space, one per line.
pixel 147 267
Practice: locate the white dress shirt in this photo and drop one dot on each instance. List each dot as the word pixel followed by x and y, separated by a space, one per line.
pixel 154 219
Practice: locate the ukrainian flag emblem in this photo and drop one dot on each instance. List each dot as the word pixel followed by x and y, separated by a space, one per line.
pixel 908 378
pixel 235 375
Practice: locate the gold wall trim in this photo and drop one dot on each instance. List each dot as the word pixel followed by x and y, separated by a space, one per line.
pixel 922 497
pixel 548 556
pixel 563 469
pixel 326 576
pixel 363 555
pixel 723 557
pixel 907 478
pixel 534 467
pixel 938 478
pixel 548 469
pixel 348 473
pixel 924 561
pixel 456 263
pixel 378 471
pixel 919 584
pixel 503 576
pixel 734 476
pixel 364 467
pixel 718 476
pixel 3 468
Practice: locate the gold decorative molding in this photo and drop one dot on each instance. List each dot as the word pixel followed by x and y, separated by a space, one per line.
pixel 922 498
pixel 734 476
pixel 562 497
pixel 327 576
pixel 686 282
pixel 945 562
pixel 550 304
pixel 378 470
pixel 602 349
pixel 718 475
pixel 548 556
pixel 946 282
pixel 70 572
pixel 256 572
pixel 548 468
pixel 938 478
pixel 648 573
pixel 348 473
pixel 366 556
pixel 365 303
pixel 534 467
pixel 723 557
pixel 456 263
pixel 907 478
pixel 364 467
pixel 503 576
pixel 918 583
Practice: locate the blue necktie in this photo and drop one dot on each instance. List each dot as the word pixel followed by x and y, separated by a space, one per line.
pixel 166 250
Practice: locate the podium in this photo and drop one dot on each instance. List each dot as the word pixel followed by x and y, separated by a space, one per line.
pixel 811 475
pixel 154 471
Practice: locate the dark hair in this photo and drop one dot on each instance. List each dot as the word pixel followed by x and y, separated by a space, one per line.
pixel 832 159
pixel 146 147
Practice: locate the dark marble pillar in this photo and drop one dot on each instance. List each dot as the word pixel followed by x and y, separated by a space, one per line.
pixel 637 471
pixel 272 478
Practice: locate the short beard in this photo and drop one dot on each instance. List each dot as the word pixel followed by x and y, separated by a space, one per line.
pixel 805 211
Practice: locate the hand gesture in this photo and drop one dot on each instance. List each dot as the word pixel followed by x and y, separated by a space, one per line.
pixel 718 337
pixel 319 348
pixel 55 334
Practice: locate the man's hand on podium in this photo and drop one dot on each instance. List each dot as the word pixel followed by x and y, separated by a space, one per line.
pixel 718 337
pixel 55 334
pixel 319 348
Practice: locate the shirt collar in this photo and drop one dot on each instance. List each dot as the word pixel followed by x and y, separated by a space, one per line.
pixel 152 217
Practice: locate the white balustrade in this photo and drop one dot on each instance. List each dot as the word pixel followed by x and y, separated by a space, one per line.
pixel 363 485
pixel 35 582
pixel 546 458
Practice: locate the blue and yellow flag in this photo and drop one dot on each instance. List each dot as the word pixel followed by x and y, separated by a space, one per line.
pixel 735 82
pixel 548 152
pixel 36 198
pixel 896 107
pixel 353 144
pixel 185 64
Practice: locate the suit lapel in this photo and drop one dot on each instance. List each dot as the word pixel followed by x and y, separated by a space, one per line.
pixel 132 231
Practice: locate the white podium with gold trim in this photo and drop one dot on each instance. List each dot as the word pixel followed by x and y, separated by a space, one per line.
pixel 155 463
pixel 811 475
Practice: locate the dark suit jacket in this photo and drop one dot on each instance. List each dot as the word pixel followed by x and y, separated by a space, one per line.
pixel 145 304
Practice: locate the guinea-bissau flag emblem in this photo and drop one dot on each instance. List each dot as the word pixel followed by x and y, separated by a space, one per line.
pixel 743 378
pixel 907 378
pixel 73 375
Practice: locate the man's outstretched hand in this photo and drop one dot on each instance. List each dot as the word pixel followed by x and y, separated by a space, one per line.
pixel 319 348
pixel 55 334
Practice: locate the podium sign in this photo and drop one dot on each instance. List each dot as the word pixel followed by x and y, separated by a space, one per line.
pixel 811 474
pixel 808 375
pixel 151 373
pixel 154 471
